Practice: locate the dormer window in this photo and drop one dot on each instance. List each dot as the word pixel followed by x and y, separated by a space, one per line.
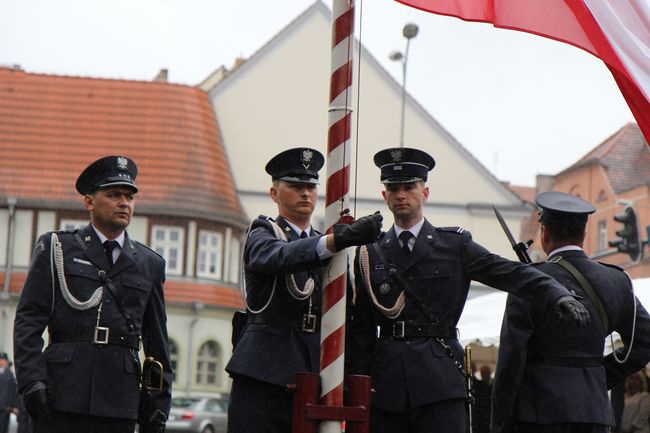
pixel 168 242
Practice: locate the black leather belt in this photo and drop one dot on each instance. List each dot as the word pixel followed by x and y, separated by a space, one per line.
pixel 401 329
pixel 308 323
pixel 99 335
pixel 564 361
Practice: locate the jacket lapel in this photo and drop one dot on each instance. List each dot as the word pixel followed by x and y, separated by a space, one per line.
pixel 94 250
pixel 286 228
pixel 126 258
pixel 423 243
pixel 390 246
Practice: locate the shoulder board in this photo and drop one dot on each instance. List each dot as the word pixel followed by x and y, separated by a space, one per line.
pixel 458 230
pixel 609 265
pixel 65 232
pixel 146 246
pixel 536 263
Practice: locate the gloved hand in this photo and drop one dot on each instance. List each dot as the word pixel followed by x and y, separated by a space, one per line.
pixel 363 231
pixel 155 423
pixel 36 396
pixel 569 307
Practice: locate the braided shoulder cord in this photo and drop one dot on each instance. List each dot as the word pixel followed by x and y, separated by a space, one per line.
pixel 294 291
pixel 391 312
pixel 56 250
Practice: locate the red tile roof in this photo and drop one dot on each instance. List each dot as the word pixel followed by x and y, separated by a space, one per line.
pixel 52 127
pixel 525 193
pixel 625 156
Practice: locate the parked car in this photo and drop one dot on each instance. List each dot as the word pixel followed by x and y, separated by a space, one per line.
pixel 198 414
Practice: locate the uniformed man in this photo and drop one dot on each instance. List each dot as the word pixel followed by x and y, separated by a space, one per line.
pixel 413 284
pixel 283 258
pixel 551 377
pixel 8 396
pixel 100 295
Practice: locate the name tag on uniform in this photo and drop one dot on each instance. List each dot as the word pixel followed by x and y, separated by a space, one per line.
pixel 82 261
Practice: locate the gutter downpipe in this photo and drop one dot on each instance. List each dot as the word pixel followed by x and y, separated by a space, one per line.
pixel 4 296
pixel 198 306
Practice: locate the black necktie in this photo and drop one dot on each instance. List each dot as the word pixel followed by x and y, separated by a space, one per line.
pixel 109 246
pixel 303 235
pixel 405 236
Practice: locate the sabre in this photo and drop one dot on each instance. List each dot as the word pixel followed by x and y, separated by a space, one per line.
pixel 520 248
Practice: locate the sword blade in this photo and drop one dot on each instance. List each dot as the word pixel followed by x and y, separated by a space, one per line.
pixel 504 226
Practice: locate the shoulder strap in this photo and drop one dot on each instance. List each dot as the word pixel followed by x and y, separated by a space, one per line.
pixel 593 296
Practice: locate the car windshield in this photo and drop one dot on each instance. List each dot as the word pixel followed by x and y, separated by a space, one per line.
pixel 185 402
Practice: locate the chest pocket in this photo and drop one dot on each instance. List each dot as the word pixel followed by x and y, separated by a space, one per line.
pixel 135 289
pixel 432 270
pixel 81 270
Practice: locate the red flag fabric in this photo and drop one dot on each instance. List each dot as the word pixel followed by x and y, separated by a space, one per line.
pixel 616 31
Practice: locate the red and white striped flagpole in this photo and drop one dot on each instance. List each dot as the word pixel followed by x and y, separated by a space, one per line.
pixel 337 199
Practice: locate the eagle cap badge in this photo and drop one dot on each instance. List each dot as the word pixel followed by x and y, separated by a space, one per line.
pixel 307 156
pixel 122 163
pixel 396 155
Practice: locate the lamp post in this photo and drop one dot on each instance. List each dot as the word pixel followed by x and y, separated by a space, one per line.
pixel 410 31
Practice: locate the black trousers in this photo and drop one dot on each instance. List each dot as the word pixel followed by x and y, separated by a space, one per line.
pixel 447 416
pixel 528 427
pixel 64 422
pixel 259 407
pixel 4 421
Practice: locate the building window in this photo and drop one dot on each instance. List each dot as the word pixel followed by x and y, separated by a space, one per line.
pixel 602 235
pixel 168 242
pixel 210 253
pixel 173 356
pixel 207 364
pixel 233 268
pixel 68 224
pixel 601 196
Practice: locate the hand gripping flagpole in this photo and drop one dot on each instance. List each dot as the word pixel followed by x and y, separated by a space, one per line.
pixel 337 199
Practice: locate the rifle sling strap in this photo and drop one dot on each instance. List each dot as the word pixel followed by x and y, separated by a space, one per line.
pixel 593 296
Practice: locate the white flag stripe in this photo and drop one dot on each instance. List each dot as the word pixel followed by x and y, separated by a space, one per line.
pixel 626 24
pixel 330 374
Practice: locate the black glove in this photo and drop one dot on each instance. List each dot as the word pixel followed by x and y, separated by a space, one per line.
pixel 363 231
pixel 35 397
pixel 568 306
pixel 155 423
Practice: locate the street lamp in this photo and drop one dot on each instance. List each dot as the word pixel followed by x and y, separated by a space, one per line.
pixel 410 31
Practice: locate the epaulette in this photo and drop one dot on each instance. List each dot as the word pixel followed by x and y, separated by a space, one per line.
pixel 609 265
pixel 262 221
pixel 458 230
pixel 147 247
pixel 65 232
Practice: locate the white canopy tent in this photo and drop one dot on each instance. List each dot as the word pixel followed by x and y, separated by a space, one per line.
pixel 482 316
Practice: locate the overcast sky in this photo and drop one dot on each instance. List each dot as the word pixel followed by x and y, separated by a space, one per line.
pixel 522 104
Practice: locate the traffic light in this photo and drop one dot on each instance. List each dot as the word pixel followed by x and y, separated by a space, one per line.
pixel 629 241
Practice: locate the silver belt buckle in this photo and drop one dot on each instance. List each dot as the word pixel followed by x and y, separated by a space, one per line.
pixel 309 323
pixel 398 329
pixel 101 335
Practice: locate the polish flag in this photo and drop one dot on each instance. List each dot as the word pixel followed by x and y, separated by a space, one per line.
pixel 615 31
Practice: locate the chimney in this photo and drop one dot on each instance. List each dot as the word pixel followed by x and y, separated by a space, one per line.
pixel 162 76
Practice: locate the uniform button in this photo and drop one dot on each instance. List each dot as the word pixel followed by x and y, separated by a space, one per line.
pixel 410 278
pixel 437 272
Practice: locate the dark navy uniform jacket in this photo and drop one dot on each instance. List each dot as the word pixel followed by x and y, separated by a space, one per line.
pixel 83 377
pixel 274 348
pixel 416 371
pixel 528 390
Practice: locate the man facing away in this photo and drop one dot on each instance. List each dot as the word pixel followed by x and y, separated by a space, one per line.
pixel 413 284
pixel 283 260
pixel 551 377
pixel 100 295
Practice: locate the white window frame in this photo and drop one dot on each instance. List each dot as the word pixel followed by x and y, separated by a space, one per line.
pixel 602 235
pixel 71 224
pixel 208 255
pixel 207 364
pixel 234 261
pixel 164 246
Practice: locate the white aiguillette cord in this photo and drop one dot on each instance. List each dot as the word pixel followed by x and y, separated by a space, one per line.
pixel 56 264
